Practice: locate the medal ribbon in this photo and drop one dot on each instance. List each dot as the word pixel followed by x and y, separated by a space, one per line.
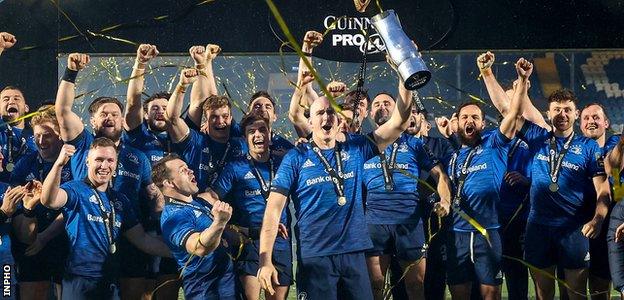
pixel 336 177
pixel 555 161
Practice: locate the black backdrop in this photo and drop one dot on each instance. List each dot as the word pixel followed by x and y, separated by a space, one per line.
pixel 245 26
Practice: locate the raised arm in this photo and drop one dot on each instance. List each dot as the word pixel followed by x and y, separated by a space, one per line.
pixel 206 85
pixel 514 120
pixel 134 107
pixel 178 129
pixel 296 110
pixel 202 243
pixel 52 196
pixel 398 122
pixel 7 41
pixel 267 274
pixel 310 41
pixel 70 123
pixel 494 89
pixel 443 207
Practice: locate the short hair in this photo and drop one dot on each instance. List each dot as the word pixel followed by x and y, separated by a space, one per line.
pixel 385 93
pixel 45 114
pixel 562 95
pixel 11 87
pixel 160 172
pixel 251 118
pixel 159 95
pixel 352 96
pixel 99 101
pixel 214 102
pixel 259 94
pixel 604 111
pixel 103 142
pixel 468 104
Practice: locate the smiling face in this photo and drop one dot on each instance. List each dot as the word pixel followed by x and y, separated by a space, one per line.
pixel 219 121
pixel 182 179
pixel 594 122
pixel 264 107
pixel 107 121
pixel 381 109
pixel 470 124
pixel 101 164
pixel 258 137
pixel 323 120
pixel 155 115
pixel 12 105
pixel 562 114
pixel 48 140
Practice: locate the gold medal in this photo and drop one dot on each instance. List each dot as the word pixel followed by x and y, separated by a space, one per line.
pixel 342 200
pixel 10 166
pixel 553 187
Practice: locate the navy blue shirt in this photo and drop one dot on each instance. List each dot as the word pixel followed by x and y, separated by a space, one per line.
pixel 204 155
pixel 481 191
pixel 203 277
pixel 155 145
pixel 582 162
pixel 518 160
pixel 238 181
pixel 88 239
pixel 21 142
pixel 5 229
pixel 401 205
pixel 33 167
pixel 323 227
pixel 134 172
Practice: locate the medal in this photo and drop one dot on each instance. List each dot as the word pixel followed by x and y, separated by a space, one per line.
pixel 112 249
pixel 10 166
pixel 342 200
pixel 553 187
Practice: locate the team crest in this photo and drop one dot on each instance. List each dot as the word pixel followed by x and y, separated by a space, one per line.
pixel 133 158
pixel 345 156
pixel 302 296
pixel 118 206
pixel 402 148
pixel 576 149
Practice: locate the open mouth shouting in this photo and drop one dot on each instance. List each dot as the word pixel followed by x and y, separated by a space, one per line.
pixel 13 111
pixel 470 130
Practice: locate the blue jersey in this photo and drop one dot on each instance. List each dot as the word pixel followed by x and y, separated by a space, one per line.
pixel 206 157
pixel 400 205
pixel 134 171
pixel 33 167
pixel 155 145
pixel 590 190
pixel 201 275
pixel 582 162
pixel 518 160
pixel 323 226
pixel 5 229
pixel 279 146
pixel 88 239
pixel 14 143
pixel 238 181
pixel 481 192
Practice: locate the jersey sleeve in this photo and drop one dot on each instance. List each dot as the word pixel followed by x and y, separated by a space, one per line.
pixel 533 135
pixel 178 226
pixel 225 181
pixel 288 173
pixel 595 159
pixel 424 158
pixel 189 147
pixel 73 199
pixel 611 142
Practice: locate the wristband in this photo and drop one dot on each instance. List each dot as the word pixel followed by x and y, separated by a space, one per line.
pixel 29 213
pixel 199 240
pixel 70 75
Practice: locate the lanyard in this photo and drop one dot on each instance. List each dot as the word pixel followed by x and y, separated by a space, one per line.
pixel 108 216
pixel 555 160
pixel 265 187
pixel 336 177
pixel 212 172
pixel 387 168
pixel 10 159
pixel 464 173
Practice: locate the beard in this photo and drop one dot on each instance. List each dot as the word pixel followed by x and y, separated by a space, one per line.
pixel 114 135
pixel 466 140
pixel 381 118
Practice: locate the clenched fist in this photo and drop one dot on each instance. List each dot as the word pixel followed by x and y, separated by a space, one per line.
pixel 201 54
pixel 7 40
pixel 77 61
pixel 485 60
pixel 222 212
pixel 188 76
pixel 66 153
pixel 336 88
pixel 311 40
pixel 145 53
pixel 524 68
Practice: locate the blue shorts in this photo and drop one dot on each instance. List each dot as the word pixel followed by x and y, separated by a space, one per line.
pixel 78 288
pixel 546 246
pixel 325 277
pixel 405 241
pixel 247 263
pixel 470 258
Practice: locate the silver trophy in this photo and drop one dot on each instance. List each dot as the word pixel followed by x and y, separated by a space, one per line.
pixel 402 51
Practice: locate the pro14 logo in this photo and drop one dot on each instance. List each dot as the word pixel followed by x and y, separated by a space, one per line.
pixel 349 32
